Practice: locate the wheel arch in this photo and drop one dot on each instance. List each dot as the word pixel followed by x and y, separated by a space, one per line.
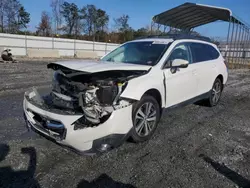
pixel 156 94
pixel 220 76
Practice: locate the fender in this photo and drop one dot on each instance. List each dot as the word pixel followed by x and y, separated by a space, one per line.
pixel 140 85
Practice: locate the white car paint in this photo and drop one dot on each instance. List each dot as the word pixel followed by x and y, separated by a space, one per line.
pixel 174 88
pixel 99 66
pixel 181 86
pixel 82 139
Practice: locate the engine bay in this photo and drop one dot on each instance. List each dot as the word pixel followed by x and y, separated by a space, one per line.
pixel 95 95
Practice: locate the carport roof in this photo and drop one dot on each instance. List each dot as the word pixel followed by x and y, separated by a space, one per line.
pixel 191 15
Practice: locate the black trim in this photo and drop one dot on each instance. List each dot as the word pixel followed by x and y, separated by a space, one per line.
pixel 114 140
pixel 165 88
pixel 189 101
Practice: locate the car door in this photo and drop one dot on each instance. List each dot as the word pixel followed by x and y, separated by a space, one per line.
pixel 204 59
pixel 181 83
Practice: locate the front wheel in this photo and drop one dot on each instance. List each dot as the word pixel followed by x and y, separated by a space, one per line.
pixel 145 116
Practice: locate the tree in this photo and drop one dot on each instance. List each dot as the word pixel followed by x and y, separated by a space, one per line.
pixel 95 20
pixel 89 14
pixel 71 15
pixel 44 27
pixel 2 14
pixel 23 18
pixel 121 23
pixel 13 16
pixel 11 12
pixel 56 14
pixel 101 22
pixel 126 32
pixel 141 32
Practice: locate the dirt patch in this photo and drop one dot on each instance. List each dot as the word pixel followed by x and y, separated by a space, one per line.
pixel 193 147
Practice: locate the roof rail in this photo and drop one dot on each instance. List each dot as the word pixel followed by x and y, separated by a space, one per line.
pixel 178 37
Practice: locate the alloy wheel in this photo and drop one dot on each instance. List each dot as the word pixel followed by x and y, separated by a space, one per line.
pixel 145 119
pixel 216 92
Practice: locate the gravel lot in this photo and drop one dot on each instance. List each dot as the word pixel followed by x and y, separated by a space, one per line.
pixel 193 147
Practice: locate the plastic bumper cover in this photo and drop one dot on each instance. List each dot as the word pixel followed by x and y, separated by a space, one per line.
pixel 87 140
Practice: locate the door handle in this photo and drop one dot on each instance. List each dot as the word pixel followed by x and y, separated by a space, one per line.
pixel 194 72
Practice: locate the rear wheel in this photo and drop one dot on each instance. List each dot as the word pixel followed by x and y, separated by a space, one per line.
pixel 215 93
pixel 145 116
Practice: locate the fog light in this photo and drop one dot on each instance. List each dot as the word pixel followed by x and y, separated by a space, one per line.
pixel 105 147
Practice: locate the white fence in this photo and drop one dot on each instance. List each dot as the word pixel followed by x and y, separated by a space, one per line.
pixel 19 44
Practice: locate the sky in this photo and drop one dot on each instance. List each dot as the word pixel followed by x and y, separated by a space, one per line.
pixel 142 11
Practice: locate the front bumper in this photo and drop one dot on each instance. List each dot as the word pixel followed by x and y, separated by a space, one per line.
pixel 60 128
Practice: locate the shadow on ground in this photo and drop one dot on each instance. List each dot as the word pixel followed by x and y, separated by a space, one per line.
pixel 24 178
pixel 227 172
pixel 103 181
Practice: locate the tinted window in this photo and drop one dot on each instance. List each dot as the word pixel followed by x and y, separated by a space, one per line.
pixel 203 52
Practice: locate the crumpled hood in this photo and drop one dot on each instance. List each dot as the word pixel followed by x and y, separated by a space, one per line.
pixel 98 66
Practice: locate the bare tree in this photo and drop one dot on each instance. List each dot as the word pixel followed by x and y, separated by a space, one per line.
pixel 44 27
pixel 56 14
pixel 13 16
pixel 89 14
pixel 126 32
pixel 2 12
pixel 121 23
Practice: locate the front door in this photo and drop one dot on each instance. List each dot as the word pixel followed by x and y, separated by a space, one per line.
pixel 181 85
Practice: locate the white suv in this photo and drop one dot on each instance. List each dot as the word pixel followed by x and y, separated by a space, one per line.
pixel 95 106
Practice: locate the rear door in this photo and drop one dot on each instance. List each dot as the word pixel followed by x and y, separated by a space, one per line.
pixel 181 84
pixel 204 59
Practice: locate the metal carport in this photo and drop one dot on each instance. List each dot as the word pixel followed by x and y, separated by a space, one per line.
pixel 188 16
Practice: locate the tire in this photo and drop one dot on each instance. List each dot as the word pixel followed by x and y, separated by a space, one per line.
pixel 145 121
pixel 215 93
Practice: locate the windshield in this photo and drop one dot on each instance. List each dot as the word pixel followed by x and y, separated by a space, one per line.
pixel 142 53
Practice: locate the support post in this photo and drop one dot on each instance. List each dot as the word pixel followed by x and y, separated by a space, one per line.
pixel 228 32
pixel 231 44
pixel 164 29
pixel 74 47
pixel 241 42
pixel 238 45
pixel 106 48
pixel 158 29
pixel 244 46
pixel 235 44
pixel 151 29
pixel 26 50
pixel 248 47
pixel 52 41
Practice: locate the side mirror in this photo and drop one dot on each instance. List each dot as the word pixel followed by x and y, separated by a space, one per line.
pixel 179 63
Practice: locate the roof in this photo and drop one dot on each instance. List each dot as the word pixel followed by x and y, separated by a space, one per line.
pixel 177 37
pixel 152 39
pixel 191 15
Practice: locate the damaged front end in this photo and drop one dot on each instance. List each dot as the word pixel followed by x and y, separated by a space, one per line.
pixel 93 95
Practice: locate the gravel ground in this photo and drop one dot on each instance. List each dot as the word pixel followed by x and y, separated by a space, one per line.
pixel 193 147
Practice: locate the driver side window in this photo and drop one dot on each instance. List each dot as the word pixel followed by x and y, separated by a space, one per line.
pixel 179 52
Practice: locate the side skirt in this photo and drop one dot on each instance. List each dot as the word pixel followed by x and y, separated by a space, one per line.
pixel 187 102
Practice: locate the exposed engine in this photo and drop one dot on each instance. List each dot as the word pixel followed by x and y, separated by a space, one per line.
pixel 95 95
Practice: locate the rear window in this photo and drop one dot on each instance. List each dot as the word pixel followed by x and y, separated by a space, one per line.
pixel 203 52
